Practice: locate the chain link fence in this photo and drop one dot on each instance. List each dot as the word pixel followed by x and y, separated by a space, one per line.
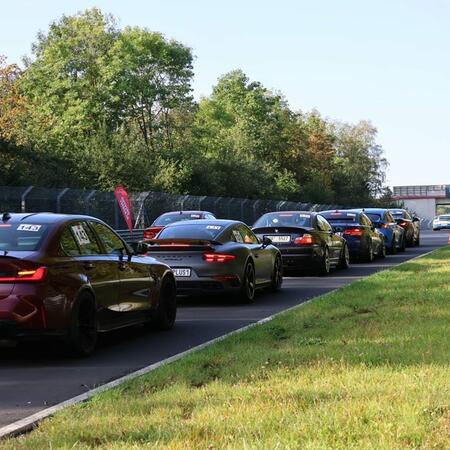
pixel 147 206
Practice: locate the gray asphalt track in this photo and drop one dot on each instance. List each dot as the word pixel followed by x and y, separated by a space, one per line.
pixel 35 376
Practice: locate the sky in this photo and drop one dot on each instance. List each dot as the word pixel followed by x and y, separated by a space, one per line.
pixel 386 61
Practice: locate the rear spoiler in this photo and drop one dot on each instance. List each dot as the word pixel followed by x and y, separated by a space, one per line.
pixel 271 230
pixel 161 245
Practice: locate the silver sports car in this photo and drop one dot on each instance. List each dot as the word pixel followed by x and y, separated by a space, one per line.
pixel 214 256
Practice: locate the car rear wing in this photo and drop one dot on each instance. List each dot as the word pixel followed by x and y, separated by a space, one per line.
pixel 180 244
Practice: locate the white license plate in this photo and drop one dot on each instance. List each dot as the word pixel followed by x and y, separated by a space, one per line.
pixel 280 239
pixel 182 272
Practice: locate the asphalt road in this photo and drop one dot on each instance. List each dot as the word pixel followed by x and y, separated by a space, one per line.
pixel 33 377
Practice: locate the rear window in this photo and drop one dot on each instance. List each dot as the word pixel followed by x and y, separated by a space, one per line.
pixel 374 217
pixel 397 214
pixel 166 219
pixel 444 217
pixel 186 231
pixel 16 237
pixel 344 217
pixel 281 219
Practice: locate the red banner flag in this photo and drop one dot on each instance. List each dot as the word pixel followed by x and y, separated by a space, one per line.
pixel 124 205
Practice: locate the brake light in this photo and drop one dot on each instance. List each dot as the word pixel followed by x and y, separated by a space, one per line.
pixel 306 239
pixel 403 224
pixel 217 257
pixel 150 233
pixel 353 232
pixel 31 275
pixel 384 225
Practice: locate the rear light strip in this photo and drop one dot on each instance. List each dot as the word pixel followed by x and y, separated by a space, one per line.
pixel 33 275
pixel 306 239
pixel 218 257
pixel 353 232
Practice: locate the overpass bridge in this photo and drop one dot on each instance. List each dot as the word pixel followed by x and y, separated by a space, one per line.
pixel 426 201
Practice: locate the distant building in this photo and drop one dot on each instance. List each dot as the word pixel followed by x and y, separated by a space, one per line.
pixel 426 201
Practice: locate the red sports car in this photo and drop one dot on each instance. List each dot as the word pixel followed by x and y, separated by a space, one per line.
pixel 72 276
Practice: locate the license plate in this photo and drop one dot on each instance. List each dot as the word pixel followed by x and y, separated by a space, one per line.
pixel 280 239
pixel 182 272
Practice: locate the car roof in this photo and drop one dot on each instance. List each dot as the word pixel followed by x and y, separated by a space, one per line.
pixel 291 212
pixel 222 222
pixel 370 210
pixel 186 212
pixel 45 217
pixel 354 211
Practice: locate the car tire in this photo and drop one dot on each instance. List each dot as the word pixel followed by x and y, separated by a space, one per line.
pixel 369 256
pixel 277 275
pixel 344 261
pixel 325 263
pixel 83 329
pixel 417 242
pixel 403 246
pixel 164 316
pixel 248 286
pixel 393 248
pixel 382 251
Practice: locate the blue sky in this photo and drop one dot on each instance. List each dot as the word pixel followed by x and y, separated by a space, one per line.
pixel 387 61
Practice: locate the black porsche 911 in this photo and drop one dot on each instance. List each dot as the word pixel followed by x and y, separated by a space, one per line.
pixel 214 256
pixel 305 239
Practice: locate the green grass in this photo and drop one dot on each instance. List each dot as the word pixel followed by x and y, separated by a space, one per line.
pixel 367 366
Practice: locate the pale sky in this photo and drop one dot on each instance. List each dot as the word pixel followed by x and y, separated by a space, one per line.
pixel 387 61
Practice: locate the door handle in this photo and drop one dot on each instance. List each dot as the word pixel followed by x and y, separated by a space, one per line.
pixel 88 266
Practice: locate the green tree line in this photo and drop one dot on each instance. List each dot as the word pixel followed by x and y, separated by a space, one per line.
pixel 95 106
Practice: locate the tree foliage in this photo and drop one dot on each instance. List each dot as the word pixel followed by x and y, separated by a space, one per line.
pixel 96 106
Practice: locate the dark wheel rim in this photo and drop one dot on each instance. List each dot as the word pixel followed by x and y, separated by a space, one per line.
pixel 87 326
pixel 326 261
pixel 250 282
pixel 346 257
pixel 277 274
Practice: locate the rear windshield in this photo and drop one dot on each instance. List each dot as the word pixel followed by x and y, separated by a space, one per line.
pixel 344 217
pixel 397 214
pixel 374 217
pixel 281 219
pixel 207 232
pixel 444 217
pixel 16 237
pixel 165 219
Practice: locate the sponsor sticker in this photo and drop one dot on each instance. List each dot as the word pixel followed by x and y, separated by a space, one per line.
pixel 306 216
pixel 351 215
pixel 80 235
pixel 213 227
pixel 28 227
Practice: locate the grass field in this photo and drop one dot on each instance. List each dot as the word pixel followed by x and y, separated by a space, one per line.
pixel 367 366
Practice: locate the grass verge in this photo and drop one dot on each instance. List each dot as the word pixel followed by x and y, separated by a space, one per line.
pixel 367 366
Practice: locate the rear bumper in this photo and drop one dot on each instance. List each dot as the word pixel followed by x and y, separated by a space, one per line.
pixel 203 285
pixel 300 257
pixel 356 247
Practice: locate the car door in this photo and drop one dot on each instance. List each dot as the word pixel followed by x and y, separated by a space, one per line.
pixel 333 241
pixel 393 226
pixel 136 281
pixel 375 235
pixel 99 271
pixel 261 255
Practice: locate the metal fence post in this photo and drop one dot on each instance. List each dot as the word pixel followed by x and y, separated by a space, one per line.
pixel 87 200
pixel 200 199
pixel 58 199
pixel 23 197
pixel 280 204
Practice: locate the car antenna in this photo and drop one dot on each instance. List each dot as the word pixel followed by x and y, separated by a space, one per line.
pixel 6 216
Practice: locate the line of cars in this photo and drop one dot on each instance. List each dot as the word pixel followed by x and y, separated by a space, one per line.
pixel 71 277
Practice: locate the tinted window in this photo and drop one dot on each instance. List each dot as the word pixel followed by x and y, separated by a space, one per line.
pixel 374 217
pixel 389 217
pixel 397 214
pixel 364 220
pixel 343 217
pixel 85 238
pixel 192 231
pixel 167 219
pixel 21 236
pixel 407 215
pixel 444 217
pixel 110 240
pixel 323 224
pixel 248 237
pixel 284 219
pixel 68 244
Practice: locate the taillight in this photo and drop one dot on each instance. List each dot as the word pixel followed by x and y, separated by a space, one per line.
pixel 306 239
pixel 28 275
pixel 150 233
pixel 384 225
pixel 217 257
pixel 403 224
pixel 353 232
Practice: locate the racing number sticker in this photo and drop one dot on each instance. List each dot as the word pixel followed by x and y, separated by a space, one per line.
pixel 80 235
pixel 28 227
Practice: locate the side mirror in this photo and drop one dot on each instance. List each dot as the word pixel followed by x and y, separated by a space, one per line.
pixel 266 241
pixel 416 219
pixel 139 248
